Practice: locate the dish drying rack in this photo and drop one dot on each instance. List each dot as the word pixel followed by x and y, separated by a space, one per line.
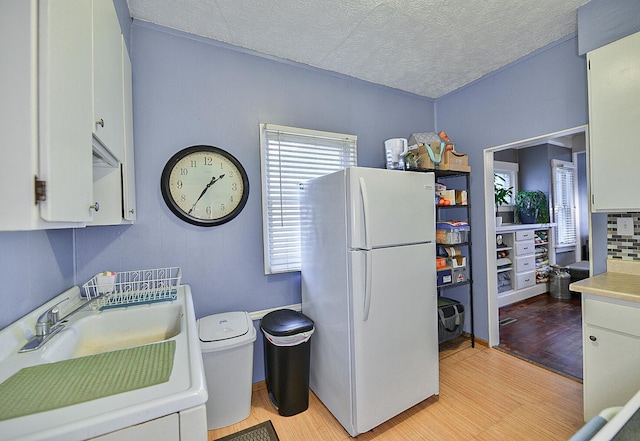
pixel 129 288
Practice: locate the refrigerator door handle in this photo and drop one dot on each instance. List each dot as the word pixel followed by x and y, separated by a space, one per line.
pixel 365 213
pixel 368 258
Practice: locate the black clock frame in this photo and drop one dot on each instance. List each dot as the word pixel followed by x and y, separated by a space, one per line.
pixel 175 209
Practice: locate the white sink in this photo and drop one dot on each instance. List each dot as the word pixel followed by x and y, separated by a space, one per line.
pixel 91 332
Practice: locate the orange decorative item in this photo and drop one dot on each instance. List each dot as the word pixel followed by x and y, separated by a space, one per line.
pixel 445 139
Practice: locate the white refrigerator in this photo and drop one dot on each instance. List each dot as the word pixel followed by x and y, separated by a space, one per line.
pixel 369 285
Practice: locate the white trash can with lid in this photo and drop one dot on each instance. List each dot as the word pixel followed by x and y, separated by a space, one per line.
pixel 226 341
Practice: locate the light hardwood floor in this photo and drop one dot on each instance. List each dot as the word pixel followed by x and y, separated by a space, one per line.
pixel 485 394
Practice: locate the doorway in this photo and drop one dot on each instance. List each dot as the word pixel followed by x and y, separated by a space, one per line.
pixel 557 138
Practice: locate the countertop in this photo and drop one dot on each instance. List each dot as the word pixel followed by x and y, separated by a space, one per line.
pixel 620 281
pixel 506 228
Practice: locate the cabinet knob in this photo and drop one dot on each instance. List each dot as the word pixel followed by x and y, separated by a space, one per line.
pixel 100 123
pixel 131 211
pixel 592 338
pixel 95 206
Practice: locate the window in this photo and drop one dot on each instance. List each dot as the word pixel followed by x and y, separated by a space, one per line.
pixel 290 156
pixel 506 175
pixel 563 180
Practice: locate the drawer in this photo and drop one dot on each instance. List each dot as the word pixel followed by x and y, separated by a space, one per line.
pixel 525 247
pixel 525 280
pixel 525 264
pixel 525 235
pixel 617 317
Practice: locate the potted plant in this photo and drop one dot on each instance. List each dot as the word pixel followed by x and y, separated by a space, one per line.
pixel 531 207
pixel 501 196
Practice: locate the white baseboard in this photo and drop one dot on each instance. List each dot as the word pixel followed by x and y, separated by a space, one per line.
pixel 516 295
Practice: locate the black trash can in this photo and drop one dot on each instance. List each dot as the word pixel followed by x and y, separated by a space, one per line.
pixel 287 344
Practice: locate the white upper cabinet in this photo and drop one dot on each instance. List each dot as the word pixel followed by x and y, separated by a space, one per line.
pixel 107 78
pixel 614 125
pixel 128 166
pixel 61 70
pixel 45 80
pixel 65 106
pixel 113 178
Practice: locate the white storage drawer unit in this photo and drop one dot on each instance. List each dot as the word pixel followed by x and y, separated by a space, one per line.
pixel 529 252
pixel 524 280
pixel 525 235
pixel 525 247
pixel 525 263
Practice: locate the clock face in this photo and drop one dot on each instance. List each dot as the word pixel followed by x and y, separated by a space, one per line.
pixel 204 185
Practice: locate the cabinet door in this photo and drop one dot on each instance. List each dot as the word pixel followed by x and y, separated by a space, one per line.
pixel 611 374
pixel 65 112
pixel 166 428
pixel 107 78
pixel 128 165
pixel 614 93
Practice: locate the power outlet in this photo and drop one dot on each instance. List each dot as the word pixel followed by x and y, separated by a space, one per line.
pixel 625 226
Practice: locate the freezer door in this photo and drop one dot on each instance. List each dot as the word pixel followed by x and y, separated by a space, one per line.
pixel 394 332
pixel 389 207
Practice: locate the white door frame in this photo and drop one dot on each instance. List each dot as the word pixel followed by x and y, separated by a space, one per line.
pixel 490 226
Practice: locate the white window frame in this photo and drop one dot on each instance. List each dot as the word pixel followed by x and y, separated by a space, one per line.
pixel 288 157
pixel 511 169
pixel 564 197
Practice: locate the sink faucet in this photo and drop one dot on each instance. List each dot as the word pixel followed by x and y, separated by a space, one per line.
pixel 49 323
pixel 48 319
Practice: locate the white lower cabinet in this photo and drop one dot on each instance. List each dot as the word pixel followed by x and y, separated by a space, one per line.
pixel 166 428
pixel 611 352
pixel 186 425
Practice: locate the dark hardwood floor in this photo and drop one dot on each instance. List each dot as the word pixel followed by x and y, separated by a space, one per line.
pixel 545 331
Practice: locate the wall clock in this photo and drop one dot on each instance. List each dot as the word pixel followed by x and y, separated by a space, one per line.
pixel 204 185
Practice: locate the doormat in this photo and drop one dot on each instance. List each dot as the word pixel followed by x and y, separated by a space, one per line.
pixel 507 320
pixel 259 432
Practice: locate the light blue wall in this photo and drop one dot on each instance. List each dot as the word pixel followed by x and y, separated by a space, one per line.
pixel 539 94
pixel 189 91
pixel 36 266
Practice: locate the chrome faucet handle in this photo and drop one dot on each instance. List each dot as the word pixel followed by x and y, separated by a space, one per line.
pixel 48 319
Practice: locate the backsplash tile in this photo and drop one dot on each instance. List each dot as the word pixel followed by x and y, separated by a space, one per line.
pixel 623 247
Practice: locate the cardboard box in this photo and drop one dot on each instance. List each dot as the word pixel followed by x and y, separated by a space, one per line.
pixel 455 259
pixel 449 195
pixel 439 186
pixel 455 161
pixel 461 197
pixel 460 275
pixel 424 160
pixel 443 159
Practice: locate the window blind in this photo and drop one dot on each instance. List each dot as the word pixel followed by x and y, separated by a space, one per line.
pixel 564 207
pixel 290 156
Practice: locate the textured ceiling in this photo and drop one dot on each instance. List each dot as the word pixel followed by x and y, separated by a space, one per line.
pixel 426 47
